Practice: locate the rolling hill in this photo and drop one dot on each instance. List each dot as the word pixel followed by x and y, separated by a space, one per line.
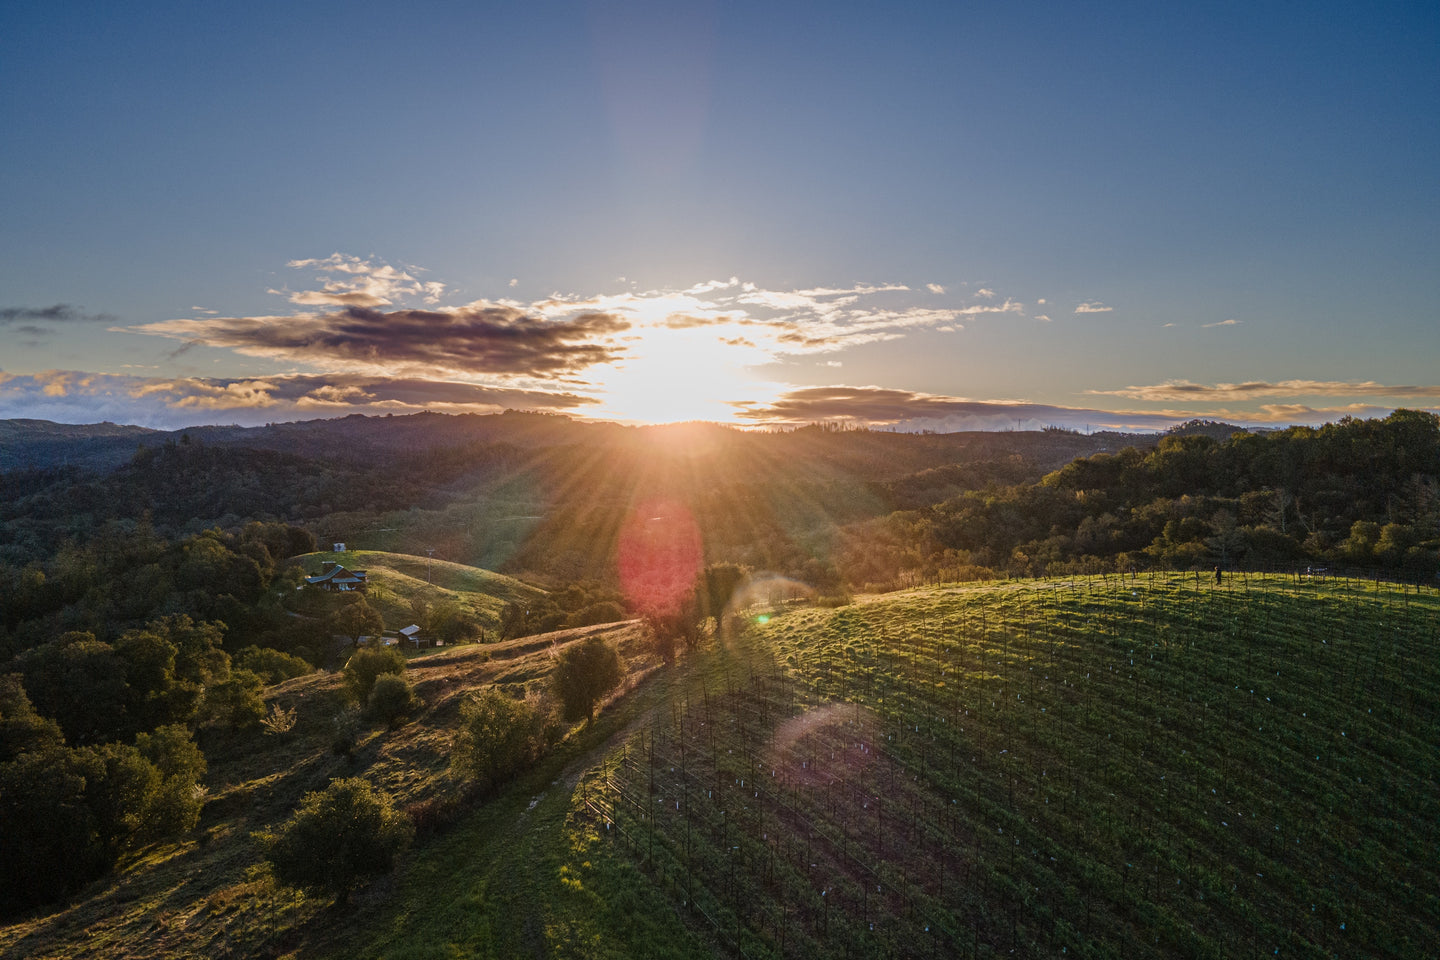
pixel 397 578
pixel 1147 766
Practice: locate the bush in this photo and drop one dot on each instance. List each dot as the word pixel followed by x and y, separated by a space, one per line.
pixel 344 731
pixel 364 666
pixel 585 672
pixel 390 699
pixel 270 665
pixel 176 803
pixel 67 815
pixel 498 737
pixel 339 838
pixel 235 703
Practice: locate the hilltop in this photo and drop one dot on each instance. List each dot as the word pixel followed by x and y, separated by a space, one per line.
pixel 1147 766
pixel 396 579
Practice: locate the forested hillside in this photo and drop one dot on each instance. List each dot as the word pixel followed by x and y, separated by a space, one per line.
pixel 1357 493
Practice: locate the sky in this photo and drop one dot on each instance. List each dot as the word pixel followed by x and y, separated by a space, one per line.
pixel 908 215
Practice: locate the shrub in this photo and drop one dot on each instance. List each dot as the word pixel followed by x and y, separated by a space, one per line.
pixel 339 838
pixel 236 702
pixel 270 665
pixel 584 673
pixel 345 729
pixel 364 666
pixel 390 699
pixel 176 802
pixel 498 737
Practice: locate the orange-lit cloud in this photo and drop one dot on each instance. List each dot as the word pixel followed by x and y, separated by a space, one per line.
pixel 1185 391
pixel 71 396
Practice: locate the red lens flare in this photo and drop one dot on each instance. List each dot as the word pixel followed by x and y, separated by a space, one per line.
pixel 660 555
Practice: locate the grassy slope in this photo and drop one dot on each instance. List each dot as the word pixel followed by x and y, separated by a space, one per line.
pixel 1109 768
pixel 397 577
pixel 962 771
pixel 207 895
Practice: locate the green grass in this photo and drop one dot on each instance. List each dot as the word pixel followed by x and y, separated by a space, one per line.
pixel 396 578
pixel 1099 768
pixel 1109 767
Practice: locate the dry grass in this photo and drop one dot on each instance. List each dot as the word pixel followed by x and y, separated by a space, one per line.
pixel 209 894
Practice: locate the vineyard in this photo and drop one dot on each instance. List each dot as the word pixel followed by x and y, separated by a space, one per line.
pixel 1113 766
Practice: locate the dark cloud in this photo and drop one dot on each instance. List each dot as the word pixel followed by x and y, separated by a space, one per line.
pixel 880 406
pixel 494 340
pixel 56 313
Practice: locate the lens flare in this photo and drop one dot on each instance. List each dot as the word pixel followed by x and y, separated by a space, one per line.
pixel 660 555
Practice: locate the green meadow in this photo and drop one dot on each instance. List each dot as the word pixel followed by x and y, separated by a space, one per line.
pixel 1151 766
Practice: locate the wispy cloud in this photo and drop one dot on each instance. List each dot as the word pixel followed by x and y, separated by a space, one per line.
pixel 1232 322
pixel 934 288
pixel 353 282
pixel 56 313
pixel 1185 391
pixel 906 409
pixel 1093 306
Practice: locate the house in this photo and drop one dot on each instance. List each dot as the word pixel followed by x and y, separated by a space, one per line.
pixel 412 633
pixel 335 577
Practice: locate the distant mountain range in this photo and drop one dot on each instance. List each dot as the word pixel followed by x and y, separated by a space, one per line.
pixel 40 444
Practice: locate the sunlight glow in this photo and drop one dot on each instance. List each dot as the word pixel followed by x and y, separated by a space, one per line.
pixel 672 375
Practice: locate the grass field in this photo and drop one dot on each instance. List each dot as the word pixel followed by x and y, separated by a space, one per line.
pixel 1106 767
pixel 396 578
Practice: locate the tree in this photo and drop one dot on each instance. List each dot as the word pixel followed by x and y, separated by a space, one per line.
pixel 47 847
pixel 498 737
pixel 585 672
pixel 272 665
pixel 80 682
pixel 22 730
pixel 175 805
pixel 357 619
pixel 364 666
pixel 390 699
pixel 339 838
pixel 236 702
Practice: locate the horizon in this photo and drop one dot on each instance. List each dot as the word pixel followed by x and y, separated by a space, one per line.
pixel 928 219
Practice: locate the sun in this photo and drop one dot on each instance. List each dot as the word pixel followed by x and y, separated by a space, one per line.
pixel 671 375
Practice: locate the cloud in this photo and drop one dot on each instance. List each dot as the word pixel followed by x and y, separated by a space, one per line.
pixel 56 313
pixel 905 409
pixel 1009 306
pixel 1185 391
pixel 482 339
pixel 1093 306
pixel 934 288
pixel 360 283
pixel 985 292
pixel 71 396
pixel 514 282
pixel 1042 318
pixel 1223 323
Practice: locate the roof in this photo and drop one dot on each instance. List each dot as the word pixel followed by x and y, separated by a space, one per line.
pixel 410 631
pixel 338 574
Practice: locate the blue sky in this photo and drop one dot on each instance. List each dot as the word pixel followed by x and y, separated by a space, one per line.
pixel 930 216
